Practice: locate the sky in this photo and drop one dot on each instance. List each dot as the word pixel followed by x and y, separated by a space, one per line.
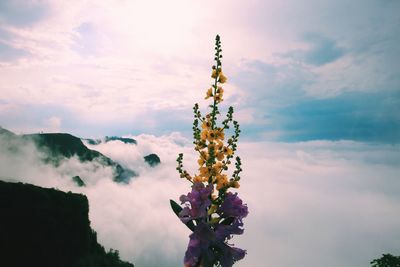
pixel 297 70
pixel 315 86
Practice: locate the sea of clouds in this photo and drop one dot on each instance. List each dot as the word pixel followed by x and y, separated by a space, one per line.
pixel 315 204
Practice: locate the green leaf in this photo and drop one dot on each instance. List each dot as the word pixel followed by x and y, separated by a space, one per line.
pixel 177 208
pixel 228 221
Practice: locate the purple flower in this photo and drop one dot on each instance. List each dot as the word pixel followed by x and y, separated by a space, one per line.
pixel 193 251
pixel 199 245
pixel 223 231
pixel 230 255
pixel 197 201
pixel 206 246
pixel 232 207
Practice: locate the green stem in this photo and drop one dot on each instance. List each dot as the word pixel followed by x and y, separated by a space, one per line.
pixel 215 90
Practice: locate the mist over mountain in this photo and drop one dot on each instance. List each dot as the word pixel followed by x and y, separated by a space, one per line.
pixel 57 148
pixel 121 213
pixel 124 140
pixel 314 203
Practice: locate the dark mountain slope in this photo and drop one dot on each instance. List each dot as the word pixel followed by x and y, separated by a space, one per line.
pixel 46 227
pixel 60 145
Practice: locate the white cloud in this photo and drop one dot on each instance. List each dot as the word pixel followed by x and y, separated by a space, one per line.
pixel 313 203
pixel 53 124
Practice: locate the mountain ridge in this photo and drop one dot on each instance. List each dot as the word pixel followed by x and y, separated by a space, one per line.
pixel 49 228
pixel 59 146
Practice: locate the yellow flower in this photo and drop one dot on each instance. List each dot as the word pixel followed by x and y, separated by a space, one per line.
pixel 204 134
pixel 199 146
pixel 219 134
pixel 218 166
pixel 222 181
pixel 203 171
pixel 211 136
pixel 218 98
pixel 201 162
pixel 222 77
pixel 219 151
pixel 204 155
pixel 228 151
pixel 235 184
pixel 219 145
pixel 215 171
pixel 214 73
pixel 206 124
pixel 209 93
pixel 197 179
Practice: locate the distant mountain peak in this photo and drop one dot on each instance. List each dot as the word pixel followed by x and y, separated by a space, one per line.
pixel 78 180
pixel 107 139
pixel 152 159
pixel 122 139
pixel 6 132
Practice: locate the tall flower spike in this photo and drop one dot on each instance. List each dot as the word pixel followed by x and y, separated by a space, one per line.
pixel 211 211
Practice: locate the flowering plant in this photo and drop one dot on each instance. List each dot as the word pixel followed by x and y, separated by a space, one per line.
pixel 210 210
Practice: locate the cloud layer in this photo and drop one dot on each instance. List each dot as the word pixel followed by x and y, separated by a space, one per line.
pixel 313 203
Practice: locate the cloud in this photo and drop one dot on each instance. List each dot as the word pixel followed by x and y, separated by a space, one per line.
pixel 315 201
pixel 311 203
pixel 88 40
pixel 126 217
pixel 281 101
pixel 21 161
pixel 322 51
pixel 54 124
pixel 270 84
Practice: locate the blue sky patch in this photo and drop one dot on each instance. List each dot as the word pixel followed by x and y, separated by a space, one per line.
pixel 22 13
pixel 9 53
pixel 353 116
